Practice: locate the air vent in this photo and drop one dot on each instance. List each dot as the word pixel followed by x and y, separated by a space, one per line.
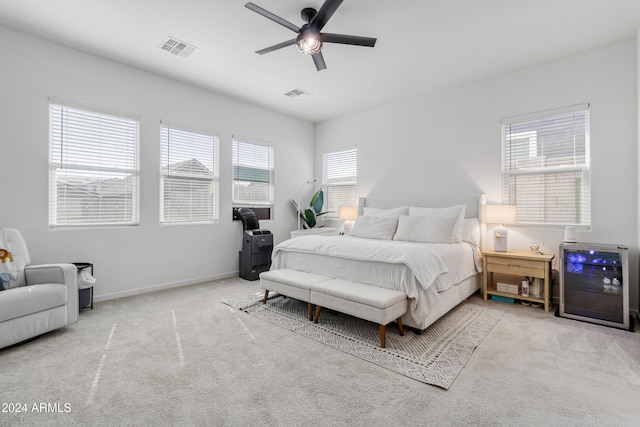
pixel 296 94
pixel 177 47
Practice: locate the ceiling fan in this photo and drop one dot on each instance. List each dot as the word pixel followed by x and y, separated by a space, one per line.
pixel 310 39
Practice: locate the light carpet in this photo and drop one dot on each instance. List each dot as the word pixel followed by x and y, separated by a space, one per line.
pixel 436 356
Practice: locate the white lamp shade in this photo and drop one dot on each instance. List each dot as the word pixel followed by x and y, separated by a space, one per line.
pixel 348 212
pixel 499 214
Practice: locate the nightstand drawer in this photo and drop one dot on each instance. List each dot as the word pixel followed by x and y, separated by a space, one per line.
pixel 519 266
pixel 513 262
pixel 515 269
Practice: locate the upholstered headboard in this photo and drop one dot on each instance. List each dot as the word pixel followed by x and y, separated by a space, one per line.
pixel 474 202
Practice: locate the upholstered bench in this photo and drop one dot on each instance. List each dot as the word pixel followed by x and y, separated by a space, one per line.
pixel 292 283
pixel 371 303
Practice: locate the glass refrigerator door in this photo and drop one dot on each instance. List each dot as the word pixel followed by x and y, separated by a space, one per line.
pixel 593 285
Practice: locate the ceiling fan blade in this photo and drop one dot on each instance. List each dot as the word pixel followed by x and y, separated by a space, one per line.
pixel 318 59
pixel 276 47
pixel 324 14
pixel 345 39
pixel 271 16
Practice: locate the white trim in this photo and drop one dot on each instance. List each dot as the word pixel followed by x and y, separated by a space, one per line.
pixel 189 128
pixel 538 114
pixel 93 108
pixel 339 149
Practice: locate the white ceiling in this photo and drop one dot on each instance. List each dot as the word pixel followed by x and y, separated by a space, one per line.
pixel 422 44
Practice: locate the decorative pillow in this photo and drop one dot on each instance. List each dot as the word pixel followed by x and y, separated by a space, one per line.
pixel 471 231
pixel 426 229
pixel 386 213
pixel 372 227
pixel 457 211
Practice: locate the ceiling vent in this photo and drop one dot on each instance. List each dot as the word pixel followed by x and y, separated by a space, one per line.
pixel 177 47
pixel 296 94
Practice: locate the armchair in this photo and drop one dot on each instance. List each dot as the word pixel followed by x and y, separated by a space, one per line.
pixel 43 298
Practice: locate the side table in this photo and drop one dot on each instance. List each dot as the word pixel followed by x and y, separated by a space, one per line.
pixel 85 291
pixel 520 264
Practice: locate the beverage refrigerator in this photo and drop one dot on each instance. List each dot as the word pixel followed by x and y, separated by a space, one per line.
pixel 594 284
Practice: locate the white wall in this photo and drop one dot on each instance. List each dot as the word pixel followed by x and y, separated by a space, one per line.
pixel 131 259
pixel 449 140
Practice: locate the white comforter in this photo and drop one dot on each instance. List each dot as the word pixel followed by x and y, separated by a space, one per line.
pixel 420 259
pixel 421 270
pixel 436 267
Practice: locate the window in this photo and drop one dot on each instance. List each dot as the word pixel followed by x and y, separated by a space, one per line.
pixel 340 179
pixel 189 175
pixel 252 174
pixel 546 167
pixel 93 166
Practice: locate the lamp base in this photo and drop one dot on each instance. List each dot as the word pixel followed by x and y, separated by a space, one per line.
pixel 500 239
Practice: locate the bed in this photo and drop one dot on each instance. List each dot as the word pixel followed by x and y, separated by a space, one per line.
pixel 428 248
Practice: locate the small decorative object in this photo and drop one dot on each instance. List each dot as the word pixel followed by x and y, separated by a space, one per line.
pixel 525 288
pixel 535 247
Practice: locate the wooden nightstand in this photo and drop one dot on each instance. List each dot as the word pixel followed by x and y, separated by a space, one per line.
pixel 518 265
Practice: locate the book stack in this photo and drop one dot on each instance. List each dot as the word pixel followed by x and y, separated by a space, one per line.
pixel 509 288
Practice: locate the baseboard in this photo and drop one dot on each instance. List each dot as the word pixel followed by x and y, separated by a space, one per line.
pixel 154 288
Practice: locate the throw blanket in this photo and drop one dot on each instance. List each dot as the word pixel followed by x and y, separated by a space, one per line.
pixel 421 259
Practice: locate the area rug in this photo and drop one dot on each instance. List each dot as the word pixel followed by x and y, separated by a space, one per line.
pixel 436 356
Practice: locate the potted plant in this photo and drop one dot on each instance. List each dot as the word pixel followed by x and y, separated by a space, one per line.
pixel 309 216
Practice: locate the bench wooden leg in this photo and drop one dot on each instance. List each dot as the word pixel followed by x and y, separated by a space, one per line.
pixel 383 329
pixel 310 310
pixel 315 319
pixel 399 320
pixel 266 294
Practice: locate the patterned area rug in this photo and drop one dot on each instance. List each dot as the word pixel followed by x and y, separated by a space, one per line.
pixel 434 357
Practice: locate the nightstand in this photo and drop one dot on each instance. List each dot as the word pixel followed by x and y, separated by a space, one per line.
pixel 516 265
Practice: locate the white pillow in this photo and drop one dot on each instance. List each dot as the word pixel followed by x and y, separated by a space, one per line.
pixel 373 227
pixel 386 213
pixel 471 231
pixel 426 229
pixel 456 211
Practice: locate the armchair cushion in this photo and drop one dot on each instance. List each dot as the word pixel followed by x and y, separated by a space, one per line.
pixel 26 300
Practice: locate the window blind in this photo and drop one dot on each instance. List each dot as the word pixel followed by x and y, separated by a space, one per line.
pixel 93 167
pixel 340 179
pixel 252 173
pixel 546 167
pixel 189 175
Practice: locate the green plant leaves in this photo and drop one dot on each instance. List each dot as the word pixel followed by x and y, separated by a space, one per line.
pixel 317 201
pixel 310 218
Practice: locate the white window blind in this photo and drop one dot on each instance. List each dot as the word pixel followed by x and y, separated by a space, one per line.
pixel 340 179
pixel 189 175
pixel 252 173
pixel 93 167
pixel 546 167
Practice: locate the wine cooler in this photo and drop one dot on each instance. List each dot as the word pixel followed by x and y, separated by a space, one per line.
pixel 594 283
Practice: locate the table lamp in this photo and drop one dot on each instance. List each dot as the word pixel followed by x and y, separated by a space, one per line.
pixel 349 214
pixel 500 214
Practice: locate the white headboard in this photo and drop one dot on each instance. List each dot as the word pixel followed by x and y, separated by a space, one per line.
pixel 474 202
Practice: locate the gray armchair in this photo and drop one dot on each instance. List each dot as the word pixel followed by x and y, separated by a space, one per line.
pixel 43 298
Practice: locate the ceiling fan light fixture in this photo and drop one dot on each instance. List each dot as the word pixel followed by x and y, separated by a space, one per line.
pixel 309 43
